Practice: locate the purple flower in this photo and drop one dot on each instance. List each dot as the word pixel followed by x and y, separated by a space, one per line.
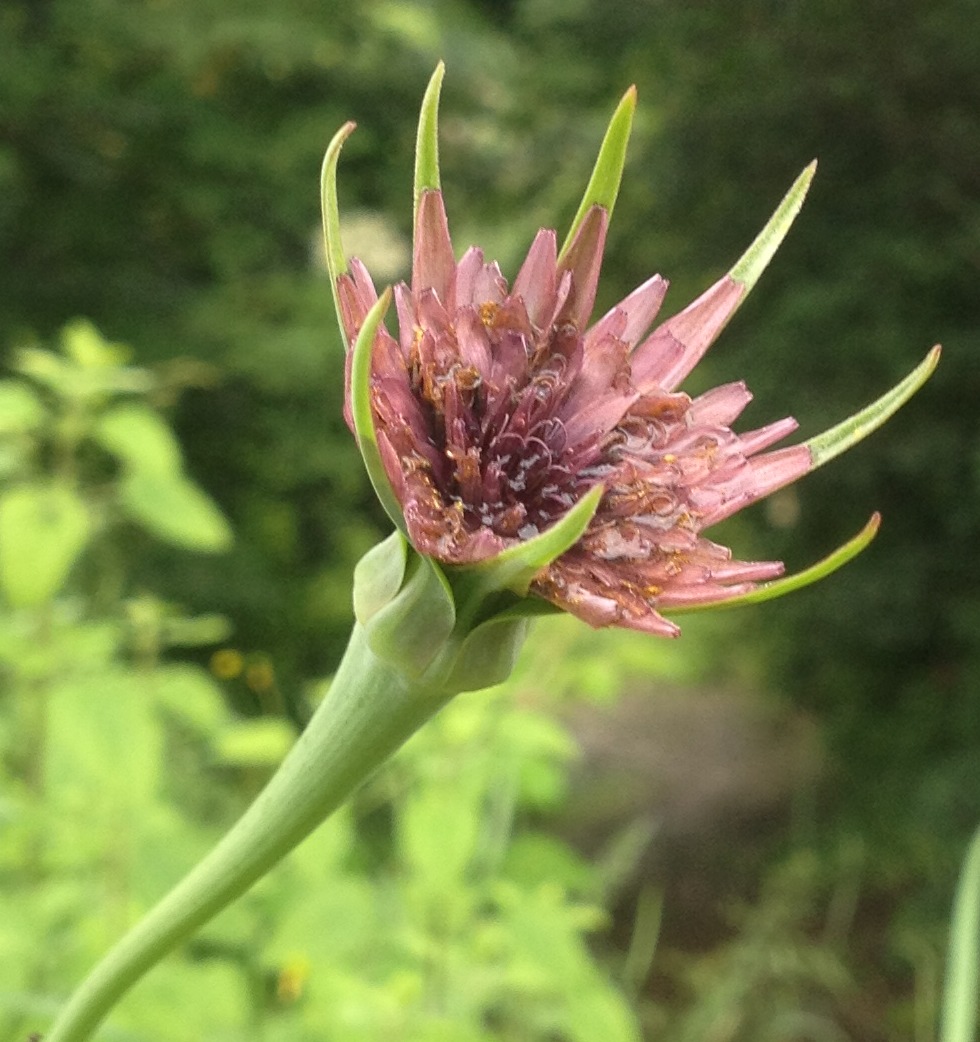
pixel 499 407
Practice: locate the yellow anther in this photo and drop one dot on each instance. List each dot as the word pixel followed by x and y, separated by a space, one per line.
pixel 488 313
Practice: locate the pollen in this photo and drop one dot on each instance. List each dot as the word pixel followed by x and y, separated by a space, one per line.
pixel 488 312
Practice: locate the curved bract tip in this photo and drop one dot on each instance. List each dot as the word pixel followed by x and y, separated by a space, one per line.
pixel 790 583
pixel 333 249
pixel 825 447
pixel 427 140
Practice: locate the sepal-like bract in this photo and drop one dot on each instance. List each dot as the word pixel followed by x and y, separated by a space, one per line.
pixel 413 628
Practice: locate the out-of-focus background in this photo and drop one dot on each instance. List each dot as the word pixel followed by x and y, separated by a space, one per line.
pixel 751 833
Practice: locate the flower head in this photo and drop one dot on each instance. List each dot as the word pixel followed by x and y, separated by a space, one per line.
pixel 500 406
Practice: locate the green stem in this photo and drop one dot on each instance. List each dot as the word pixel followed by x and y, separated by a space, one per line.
pixel 370 710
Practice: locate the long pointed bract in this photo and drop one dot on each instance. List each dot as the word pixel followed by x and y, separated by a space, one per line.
pixel 825 447
pixel 756 258
pixel 332 246
pixel 363 414
pixel 427 141
pixel 780 587
pixel 603 186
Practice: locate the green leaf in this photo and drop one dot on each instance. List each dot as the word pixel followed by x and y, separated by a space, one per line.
pixel 438 831
pixel 192 696
pixel 962 989
pixel 140 438
pixel 75 382
pixel 756 258
pixel 21 410
pixel 603 186
pixel 427 141
pixel 194 631
pixel 824 447
pixel 43 529
pixel 378 576
pixel 104 754
pixel 790 583
pixel 360 392
pixel 173 508
pixel 255 743
pixel 87 348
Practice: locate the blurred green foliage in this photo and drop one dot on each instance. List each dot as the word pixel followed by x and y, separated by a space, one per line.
pixel 158 165
pixel 432 908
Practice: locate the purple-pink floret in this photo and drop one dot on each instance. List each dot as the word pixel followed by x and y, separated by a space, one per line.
pixel 497 409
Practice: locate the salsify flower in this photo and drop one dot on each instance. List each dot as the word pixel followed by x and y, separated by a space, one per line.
pixel 519 450
pixel 499 407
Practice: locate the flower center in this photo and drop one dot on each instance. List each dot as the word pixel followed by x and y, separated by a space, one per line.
pixel 508 465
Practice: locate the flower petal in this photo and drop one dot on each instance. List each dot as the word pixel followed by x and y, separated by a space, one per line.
pixel 719 406
pixel 583 259
pixel 537 280
pixel 674 348
pixel 631 317
pixel 434 265
pixel 763 475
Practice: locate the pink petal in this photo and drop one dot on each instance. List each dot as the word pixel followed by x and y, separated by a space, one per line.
pixel 408 320
pixel 674 348
pixel 434 265
pixel 562 294
pixel 470 264
pixel 583 260
pixel 356 294
pixel 536 281
pixel 600 394
pixel 652 622
pixel 757 440
pixel 720 406
pixel 489 286
pixel 763 476
pixel 629 319
pixel 701 594
pixel 474 343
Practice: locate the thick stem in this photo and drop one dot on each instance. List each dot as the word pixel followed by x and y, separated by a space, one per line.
pixel 369 712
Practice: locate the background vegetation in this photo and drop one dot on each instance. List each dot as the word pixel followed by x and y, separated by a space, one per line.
pixel 158 167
